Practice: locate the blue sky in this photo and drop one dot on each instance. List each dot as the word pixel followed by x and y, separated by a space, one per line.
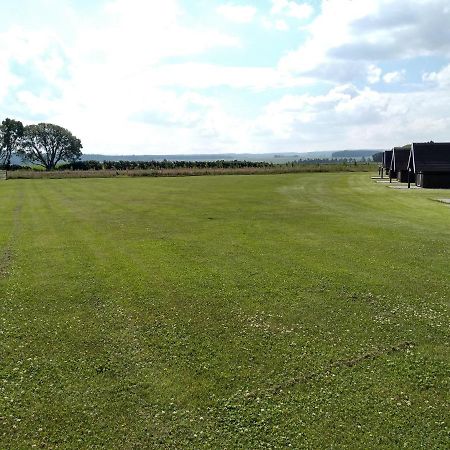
pixel 204 76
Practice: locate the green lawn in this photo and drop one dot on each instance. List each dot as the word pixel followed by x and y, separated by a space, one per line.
pixel 303 310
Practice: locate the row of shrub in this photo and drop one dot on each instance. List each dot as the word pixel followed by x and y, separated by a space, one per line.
pixel 157 165
pixel 168 164
pixel 331 161
pixel 94 165
pixel 14 167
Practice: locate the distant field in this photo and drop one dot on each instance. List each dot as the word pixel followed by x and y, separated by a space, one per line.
pixel 295 310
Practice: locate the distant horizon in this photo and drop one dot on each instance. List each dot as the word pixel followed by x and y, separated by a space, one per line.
pixel 274 157
pixel 237 153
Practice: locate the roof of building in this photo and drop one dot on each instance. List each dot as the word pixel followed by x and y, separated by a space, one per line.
pixel 430 157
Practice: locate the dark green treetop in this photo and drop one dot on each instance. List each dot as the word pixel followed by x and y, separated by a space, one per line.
pixel 11 131
pixel 46 144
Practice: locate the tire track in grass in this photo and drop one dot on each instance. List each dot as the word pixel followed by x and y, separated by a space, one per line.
pixel 340 363
pixel 227 414
pixel 7 256
pixel 237 411
pixel 5 261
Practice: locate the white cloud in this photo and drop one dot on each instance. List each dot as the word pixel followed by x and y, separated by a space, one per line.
pixel 37 53
pixel 395 29
pixel 292 9
pixel 7 79
pixel 278 24
pixel 281 25
pixel 347 117
pixel 282 10
pixel 335 18
pixel 204 76
pixel 442 78
pixel 113 69
pixel 237 13
pixel 394 77
pixel 373 74
pixel 141 30
pixel 360 33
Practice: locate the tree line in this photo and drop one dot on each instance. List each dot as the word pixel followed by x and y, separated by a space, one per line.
pixel 44 144
pixel 157 165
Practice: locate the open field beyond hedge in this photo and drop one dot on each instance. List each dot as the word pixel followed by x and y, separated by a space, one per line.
pixel 194 171
pixel 303 310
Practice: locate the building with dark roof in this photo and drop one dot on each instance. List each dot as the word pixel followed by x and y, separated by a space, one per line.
pixel 430 162
pixel 399 164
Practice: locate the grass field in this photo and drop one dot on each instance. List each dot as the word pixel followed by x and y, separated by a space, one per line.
pixel 298 310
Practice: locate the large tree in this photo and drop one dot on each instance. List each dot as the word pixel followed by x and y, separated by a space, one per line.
pixel 11 131
pixel 46 145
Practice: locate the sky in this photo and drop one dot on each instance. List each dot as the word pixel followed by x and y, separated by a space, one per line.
pixel 244 76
